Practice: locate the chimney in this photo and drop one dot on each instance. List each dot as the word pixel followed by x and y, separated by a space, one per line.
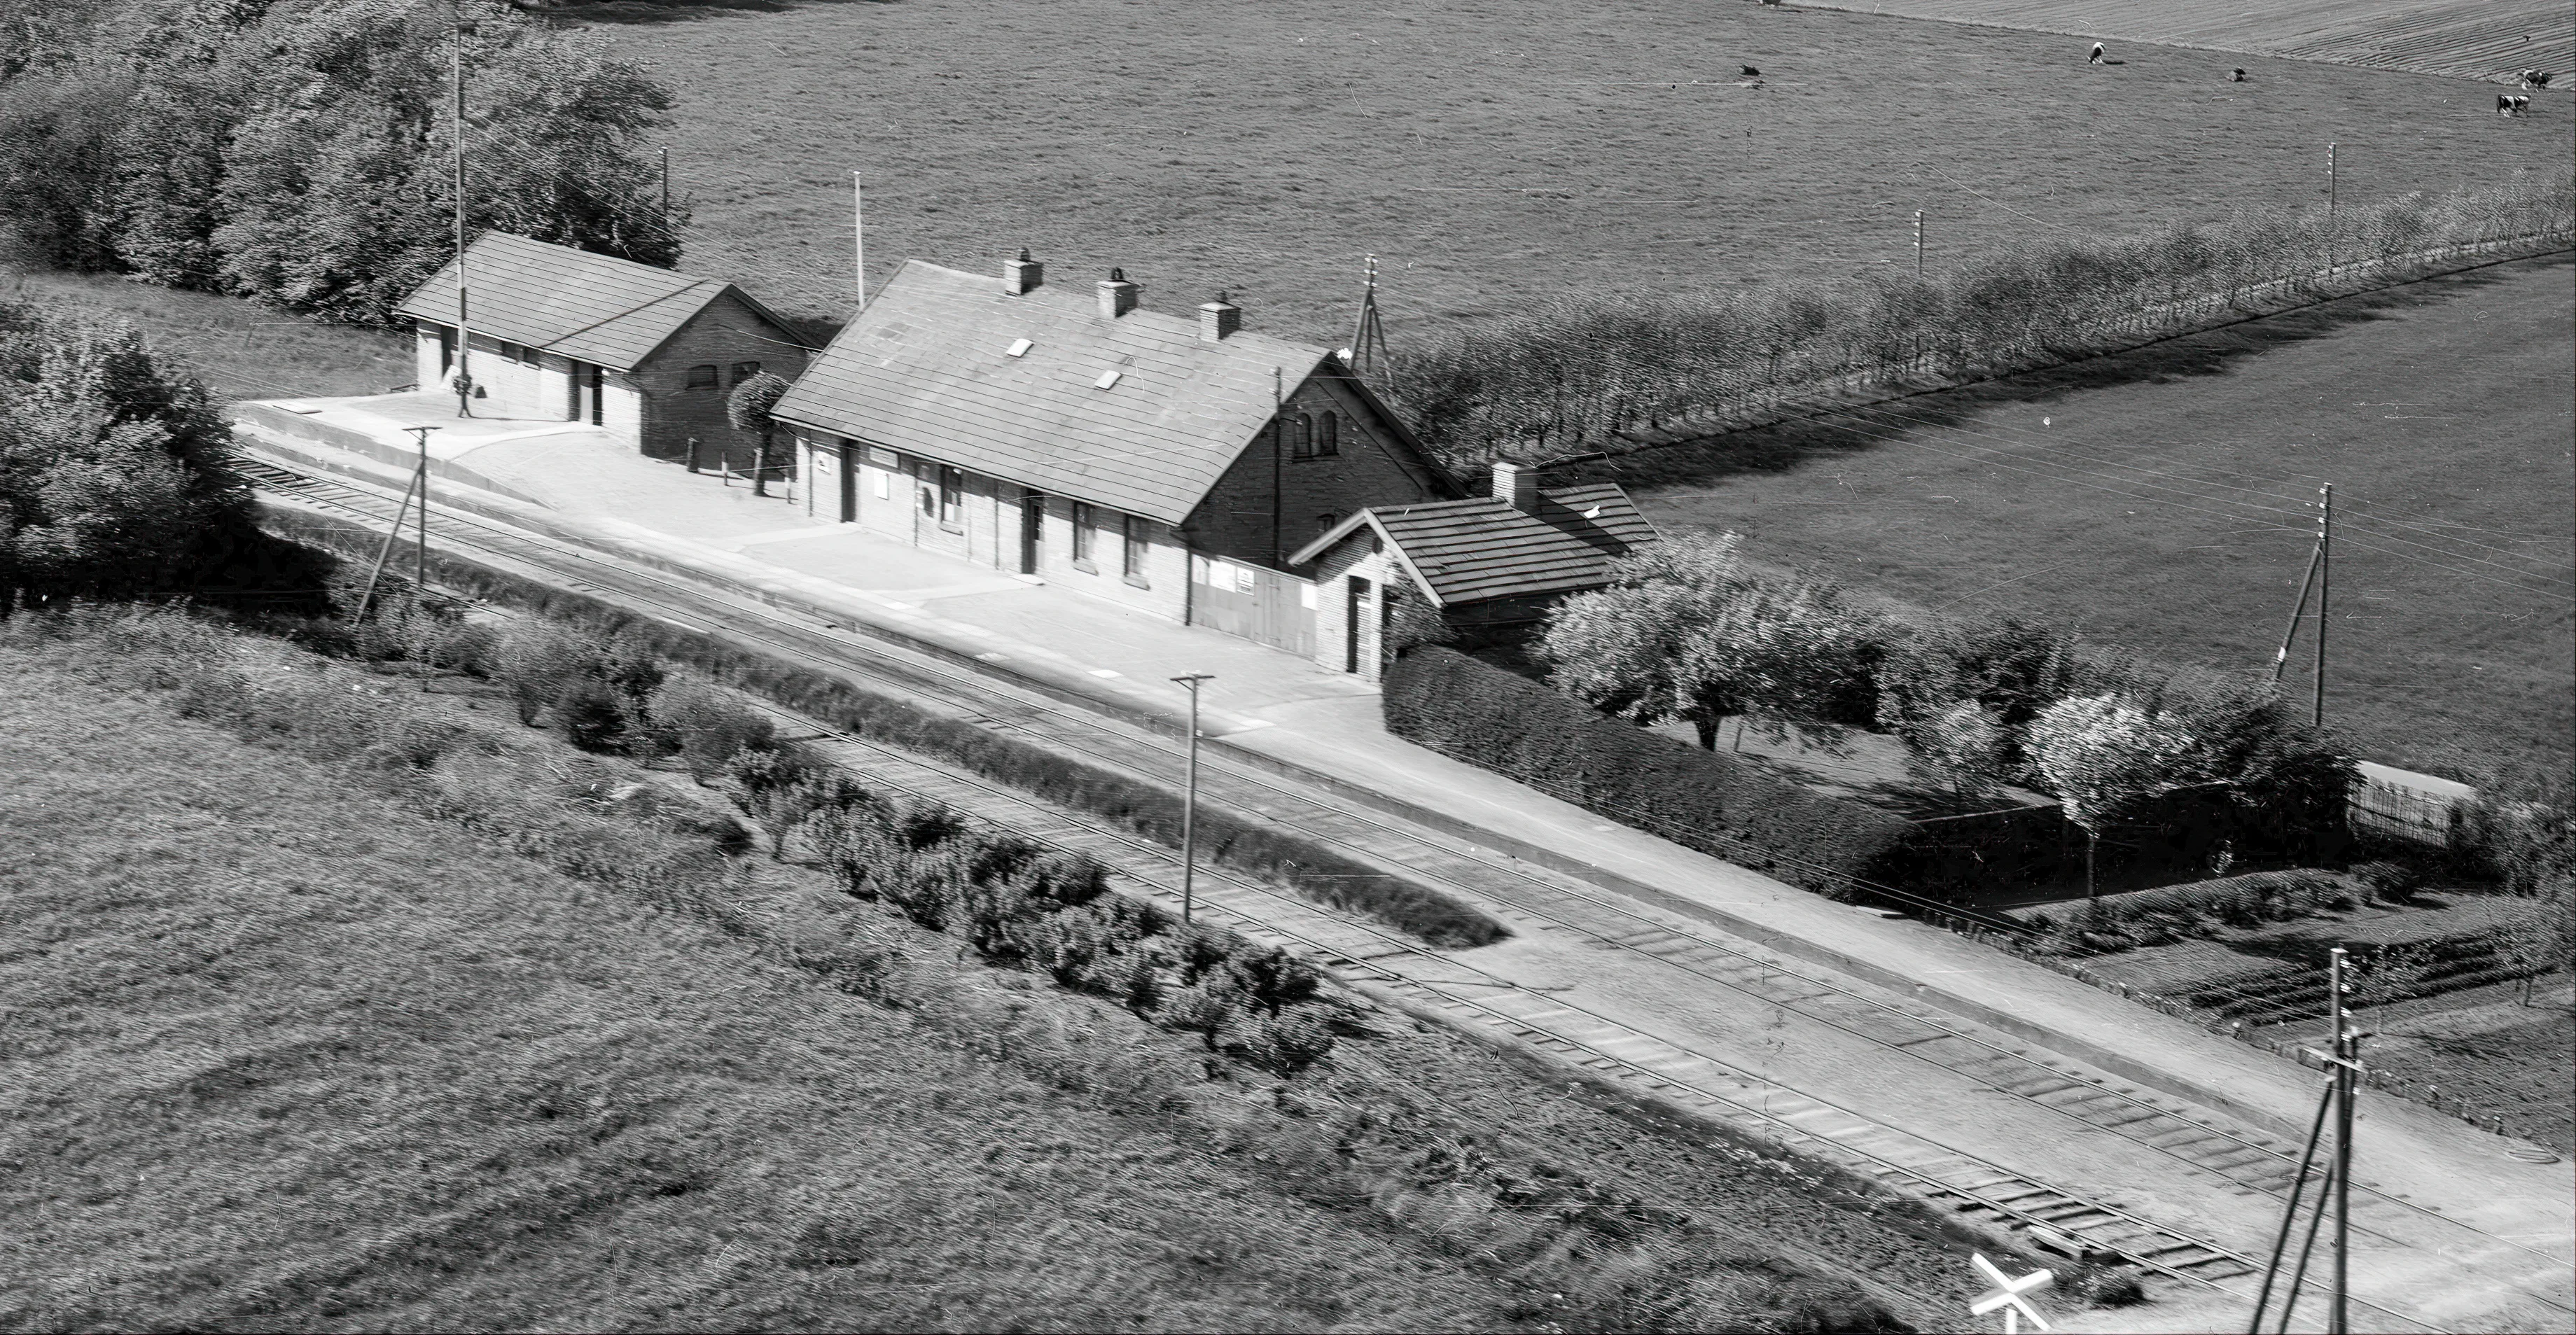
pixel 1516 484
pixel 1219 318
pixel 1022 276
pixel 1117 296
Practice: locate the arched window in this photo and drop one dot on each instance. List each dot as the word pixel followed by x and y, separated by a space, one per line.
pixel 1331 441
pixel 1304 444
pixel 703 377
pixel 743 371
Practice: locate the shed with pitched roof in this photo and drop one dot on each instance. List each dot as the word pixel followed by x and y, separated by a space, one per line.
pixel 1485 564
pixel 559 334
pixel 1165 461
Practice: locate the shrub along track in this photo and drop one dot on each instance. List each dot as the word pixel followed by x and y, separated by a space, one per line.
pixel 1428 981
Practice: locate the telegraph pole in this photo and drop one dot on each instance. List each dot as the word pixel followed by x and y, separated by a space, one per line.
pixel 393 534
pixel 859 230
pixel 420 558
pixel 1918 245
pixel 1190 798
pixel 2325 587
pixel 666 190
pixel 1368 337
pixel 2347 1050
pixel 2331 238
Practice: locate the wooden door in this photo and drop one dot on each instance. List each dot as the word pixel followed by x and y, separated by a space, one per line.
pixel 1032 529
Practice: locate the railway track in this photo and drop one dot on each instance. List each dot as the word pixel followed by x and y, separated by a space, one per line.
pixel 1397 965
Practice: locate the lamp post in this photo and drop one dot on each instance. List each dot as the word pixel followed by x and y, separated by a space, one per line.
pixel 1190 791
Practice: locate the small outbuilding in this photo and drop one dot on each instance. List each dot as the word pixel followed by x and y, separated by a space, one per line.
pixel 558 334
pixel 1488 564
pixel 1169 462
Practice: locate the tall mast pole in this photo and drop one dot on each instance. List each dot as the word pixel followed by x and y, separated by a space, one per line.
pixel 859 230
pixel 464 335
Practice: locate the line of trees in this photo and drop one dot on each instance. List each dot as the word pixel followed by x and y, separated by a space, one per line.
pixel 1577 368
pixel 298 151
pixel 1689 632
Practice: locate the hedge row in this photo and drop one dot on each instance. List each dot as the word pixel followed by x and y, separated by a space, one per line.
pixel 1573 371
pixel 1021 904
pixel 1707 800
pixel 2241 901
pixel 1133 804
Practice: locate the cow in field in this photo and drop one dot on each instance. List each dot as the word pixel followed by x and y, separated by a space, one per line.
pixel 2509 104
pixel 2535 79
pixel 2096 57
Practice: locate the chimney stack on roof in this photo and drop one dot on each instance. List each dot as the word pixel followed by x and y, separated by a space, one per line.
pixel 1022 276
pixel 1516 485
pixel 1219 318
pixel 1117 295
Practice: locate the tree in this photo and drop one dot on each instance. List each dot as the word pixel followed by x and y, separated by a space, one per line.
pixel 113 475
pixel 1962 749
pixel 2542 940
pixel 748 410
pixel 2102 755
pixel 2392 974
pixel 1689 634
pixel 299 151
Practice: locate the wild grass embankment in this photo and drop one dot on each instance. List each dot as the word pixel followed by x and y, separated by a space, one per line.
pixel 298 1051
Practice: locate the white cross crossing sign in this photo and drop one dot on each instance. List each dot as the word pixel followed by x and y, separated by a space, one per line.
pixel 2008 1294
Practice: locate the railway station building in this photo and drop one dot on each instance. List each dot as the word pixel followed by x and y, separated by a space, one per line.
pixel 1171 463
pixel 557 334
pixel 1487 565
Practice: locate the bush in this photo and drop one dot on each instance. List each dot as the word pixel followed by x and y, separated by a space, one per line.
pixel 1706 800
pixel 711 728
pixel 591 715
pixel 1203 1008
pixel 2263 896
pixel 2390 882
pixel 1286 1044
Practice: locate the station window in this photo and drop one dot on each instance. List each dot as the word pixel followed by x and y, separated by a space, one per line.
pixel 1131 553
pixel 1085 523
pixel 703 377
pixel 952 495
pixel 743 371
pixel 1329 442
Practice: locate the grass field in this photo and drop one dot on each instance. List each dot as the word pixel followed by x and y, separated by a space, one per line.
pixel 1493 152
pixel 2163 499
pixel 240 349
pixel 2471 39
pixel 284 1053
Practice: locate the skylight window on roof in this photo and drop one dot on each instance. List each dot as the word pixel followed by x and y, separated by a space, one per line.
pixel 1019 348
pixel 1107 378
